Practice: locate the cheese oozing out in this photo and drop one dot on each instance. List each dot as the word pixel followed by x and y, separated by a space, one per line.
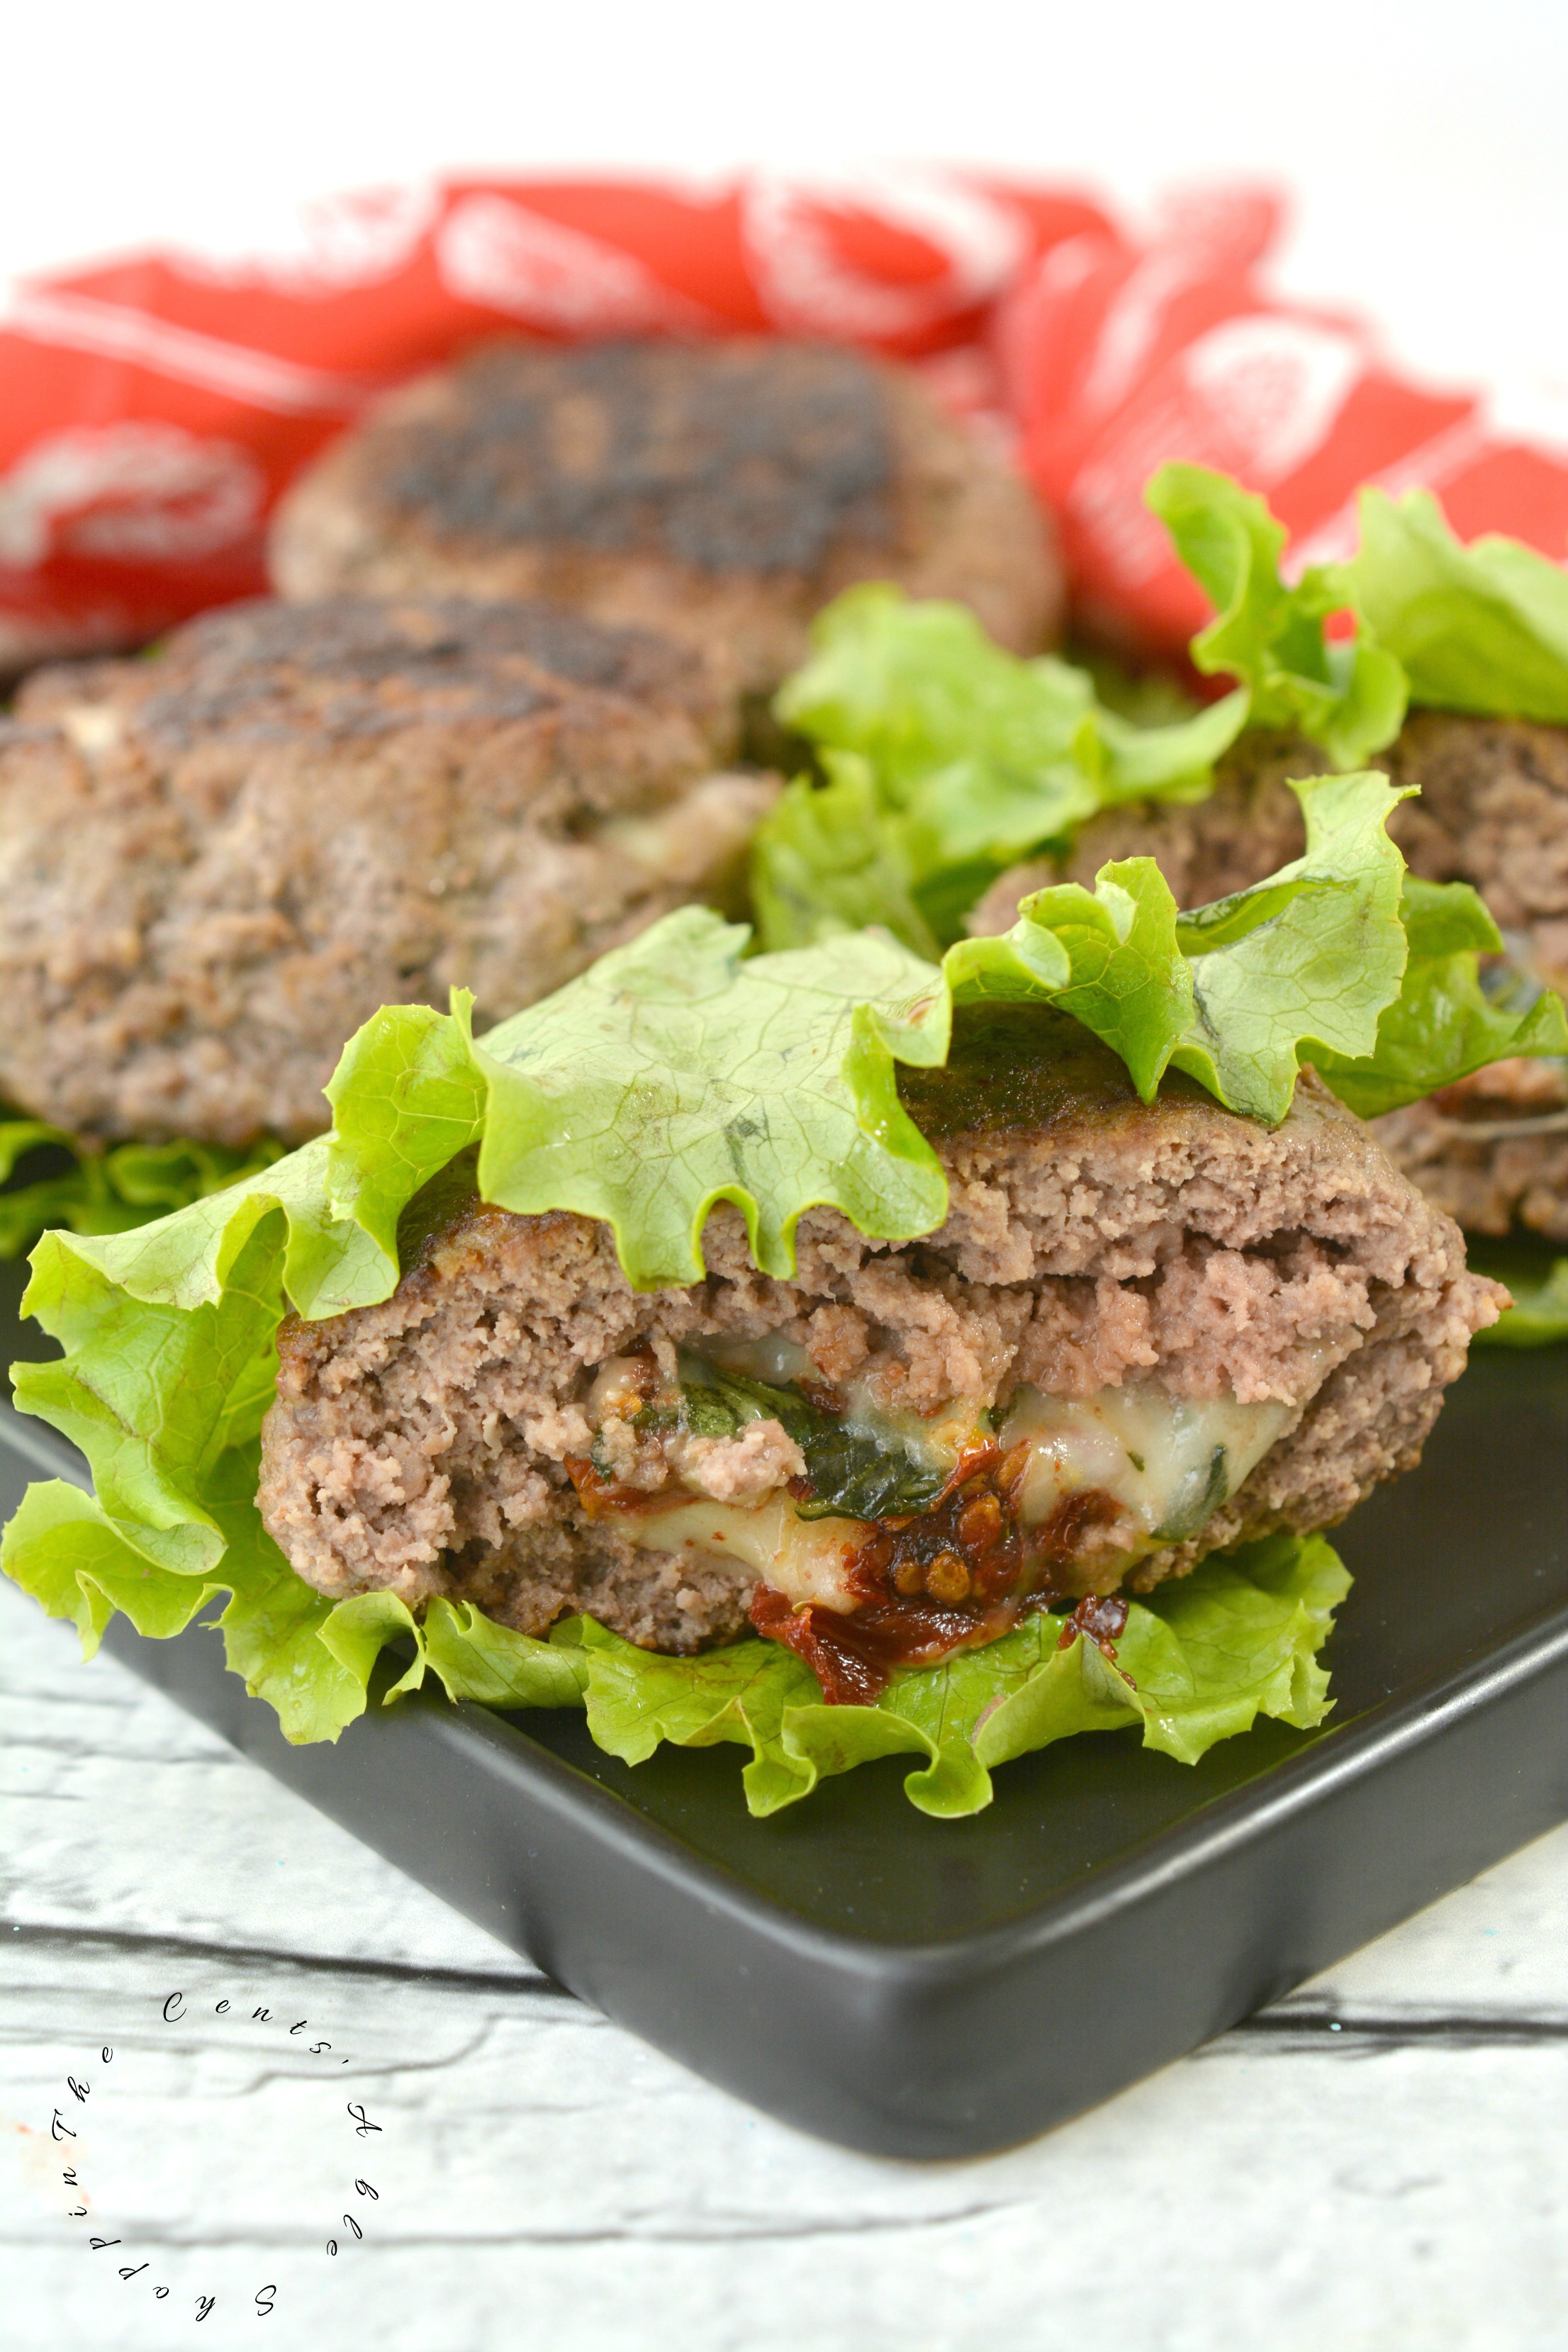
pixel 1170 1460
pixel 1167 1462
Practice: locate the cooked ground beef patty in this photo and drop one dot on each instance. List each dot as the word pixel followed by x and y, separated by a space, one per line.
pixel 217 863
pixel 1493 811
pixel 1142 1333
pixel 723 491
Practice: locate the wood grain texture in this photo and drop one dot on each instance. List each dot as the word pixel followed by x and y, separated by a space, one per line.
pixel 1381 2160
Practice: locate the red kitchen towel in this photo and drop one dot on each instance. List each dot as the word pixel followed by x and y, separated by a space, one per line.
pixel 1118 356
pixel 151 409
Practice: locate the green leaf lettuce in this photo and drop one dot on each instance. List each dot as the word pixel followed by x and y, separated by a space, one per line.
pixel 1348 697
pixel 1443 1024
pixel 1197 1662
pixel 1237 993
pixel 945 759
pixel 672 1075
pixel 1481 628
pixel 108 1191
pixel 675 1073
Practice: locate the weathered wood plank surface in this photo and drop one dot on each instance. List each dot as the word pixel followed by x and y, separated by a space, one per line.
pixel 1380 2161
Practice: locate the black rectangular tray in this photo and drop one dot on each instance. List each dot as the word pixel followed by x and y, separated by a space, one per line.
pixel 927 1989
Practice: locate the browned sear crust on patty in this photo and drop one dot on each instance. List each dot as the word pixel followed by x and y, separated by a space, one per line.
pixel 426 1444
pixel 216 863
pixel 723 491
pixel 1492 812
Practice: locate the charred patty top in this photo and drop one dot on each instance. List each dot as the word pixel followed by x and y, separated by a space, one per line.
pixel 1142 1332
pixel 723 490
pixel 216 863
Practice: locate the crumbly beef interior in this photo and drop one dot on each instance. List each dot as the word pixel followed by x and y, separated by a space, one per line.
pixel 722 491
pixel 1492 812
pixel 421 1445
pixel 217 863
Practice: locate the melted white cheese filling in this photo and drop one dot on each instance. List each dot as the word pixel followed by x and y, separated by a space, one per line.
pixel 806 1560
pixel 1168 1461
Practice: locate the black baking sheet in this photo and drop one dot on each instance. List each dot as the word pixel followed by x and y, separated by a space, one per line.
pixel 930 1989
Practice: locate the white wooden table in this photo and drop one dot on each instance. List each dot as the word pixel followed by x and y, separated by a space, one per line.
pixel 1380 2164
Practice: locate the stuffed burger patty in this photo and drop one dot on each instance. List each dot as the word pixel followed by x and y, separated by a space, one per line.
pixel 954 782
pixel 830 1350
pixel 1492 810
pixel 857 1347
pixel 1143 1333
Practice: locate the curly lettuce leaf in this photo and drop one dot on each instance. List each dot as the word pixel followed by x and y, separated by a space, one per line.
pixel 1206 1655
pixel 946 759
pixel 678 1076
pixel 1349 697
pixel 672 1075
pixel 60 1547
pixel 475 1658
pixel 311 1659
pixel 1316 970
pixel 915 685
pixel 1481 628
pixel 108 1191
pixel 1108 956
pixel 675 1074
pixel 155 1390
pixel 833 861
pixel 1443 1024
pixel 1238 993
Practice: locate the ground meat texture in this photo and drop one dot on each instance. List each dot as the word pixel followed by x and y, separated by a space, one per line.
pixel 1492 1152
pixel 1492 812
pixel 426 1444
pixel 723 491
pixel 216 863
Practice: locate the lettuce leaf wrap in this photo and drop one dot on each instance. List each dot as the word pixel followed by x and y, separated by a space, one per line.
pixel 1349 697
pixel 675 1073
pixel 49 1180
pixel 945 759
pixel 1482 629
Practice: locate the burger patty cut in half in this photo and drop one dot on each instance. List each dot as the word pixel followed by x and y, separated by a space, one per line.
pixel 723 491
pixel 217 863
pixel 1142 1335
pixel 1492 812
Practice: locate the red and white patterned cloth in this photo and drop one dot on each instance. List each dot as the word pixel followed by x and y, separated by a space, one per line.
pixel 153 409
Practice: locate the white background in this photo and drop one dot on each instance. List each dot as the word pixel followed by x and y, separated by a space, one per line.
pixel 1383 2167
pixel 1427 145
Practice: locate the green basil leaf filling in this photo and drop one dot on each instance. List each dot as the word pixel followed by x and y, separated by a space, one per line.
pixel 856 1473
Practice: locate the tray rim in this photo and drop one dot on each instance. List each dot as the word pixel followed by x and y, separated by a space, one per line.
pixel 1187 1848
pixel 1248 1814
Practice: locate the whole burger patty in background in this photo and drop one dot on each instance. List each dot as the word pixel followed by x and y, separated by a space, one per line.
pixel 215 864
pixel 721 492
pixel 1492 812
